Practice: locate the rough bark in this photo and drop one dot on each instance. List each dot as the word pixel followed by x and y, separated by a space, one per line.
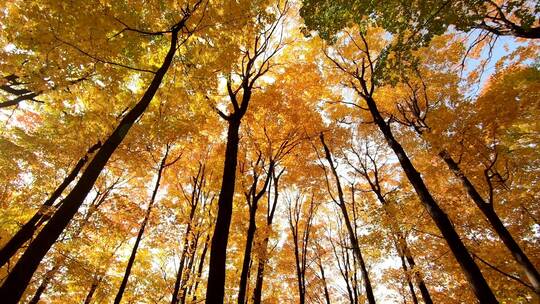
pixel 16 282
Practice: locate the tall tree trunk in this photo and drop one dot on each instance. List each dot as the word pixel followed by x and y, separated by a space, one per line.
pixel 257 292
pixel 201 267
pixel 325 286
pixel 131 260
pixel 253 197
pixel 179 281
pixel 352 235
pixel 45 282
pixel 92 291
pixel 407 276
pixel 263 259
pixel 247 254
pixel 300 272
pixel 215 290
pixel 489 212
pixel 401 242
pixel 16 282
pixel 191 269
pixel 93 206
pixel 27 230
pixel 475 278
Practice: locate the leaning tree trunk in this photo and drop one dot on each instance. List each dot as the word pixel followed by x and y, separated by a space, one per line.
pixel 92 291
pixel 475 278
pixel 45 282
pixel 352 236
pixel 27 230
pixel 180 272
pixel 401 245
pixel 247 254
pixel 131 260
pixel 492 217
pixel 215 290
pixel 407 276
pixel 16 282
pixel 200 269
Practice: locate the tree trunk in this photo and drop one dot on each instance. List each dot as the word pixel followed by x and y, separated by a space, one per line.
pixel 16 282
pixel 191 269
pixel 201 267
pixel 475 278
pixel 215 290
pixel 178 283
pixel 299 274
pixel 27 230
pixel 408 277
pixel 352 236
pixel 131 260
pixel 45 282
pixel 489 212
pixel 325 286
pixel 263 259
pixel 92 290
pixel 257 292
pixel 401 245
pixel 247 254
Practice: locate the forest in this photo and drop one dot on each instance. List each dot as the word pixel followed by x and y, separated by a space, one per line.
pixel 270 151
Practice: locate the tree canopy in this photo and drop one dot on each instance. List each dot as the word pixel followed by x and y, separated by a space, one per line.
pixel 269 151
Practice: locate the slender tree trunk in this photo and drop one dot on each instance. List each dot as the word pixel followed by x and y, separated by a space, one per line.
pixel 356 248
pixel 492 217
pixel 299 274
pixel 201 267
pixel 45 282
pixel 131 260
pixel 16 282
pixel 475 278
pixel 27 230
pixel 184 287
pixel 408 277
pixel 263 259
pixel 401 245
pixel 257 292
pixel 215 290
pixel 325 286
pixel 92 291
pixel 179 282
pixel 352 236
pixel 247 254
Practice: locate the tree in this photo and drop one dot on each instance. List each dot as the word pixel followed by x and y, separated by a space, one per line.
pixel 340 201
pixel 13 286
pixel 363 78
pixel 255 62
